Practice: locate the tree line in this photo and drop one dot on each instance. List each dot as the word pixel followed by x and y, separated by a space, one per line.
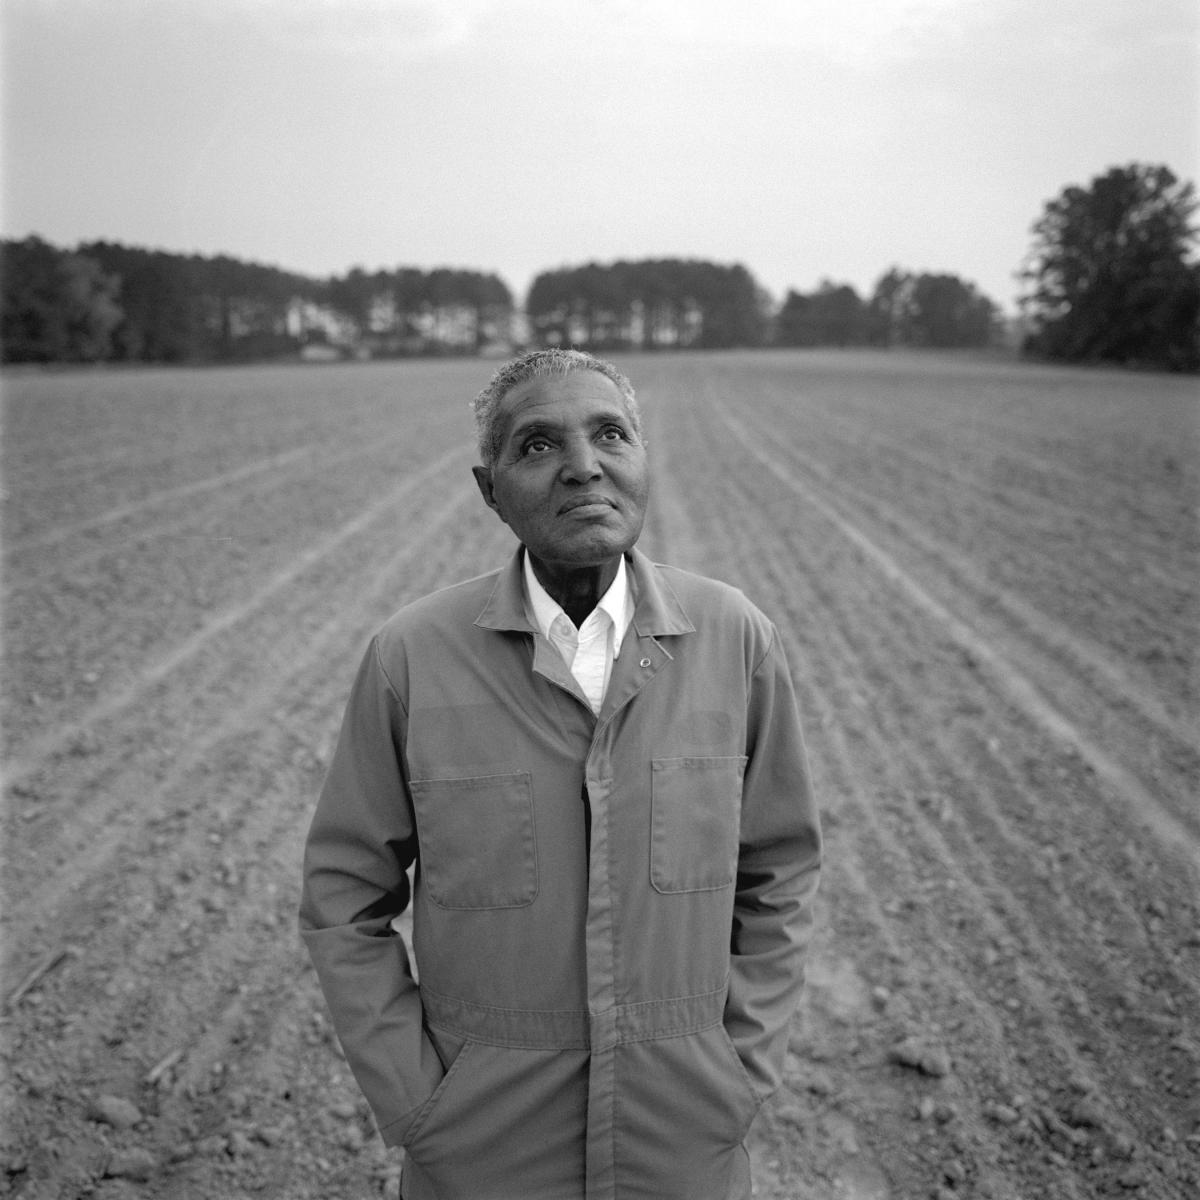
pixel 104 301
pixel 108 302
pixel 932 310
pixel 687 304
pixel 648 305
pixel 1109 277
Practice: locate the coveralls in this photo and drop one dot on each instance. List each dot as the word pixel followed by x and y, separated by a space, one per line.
pixel 610 912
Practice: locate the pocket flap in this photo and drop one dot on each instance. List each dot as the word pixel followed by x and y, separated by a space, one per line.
pixel 476 839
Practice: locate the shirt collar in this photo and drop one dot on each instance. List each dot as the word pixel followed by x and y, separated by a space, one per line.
pixel 657 609
pixel 616 603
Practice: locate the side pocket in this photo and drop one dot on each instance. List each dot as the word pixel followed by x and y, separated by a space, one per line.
pixel 695 818
pixel 688 1107
pixel 752 1099
pixel 477 841
pixel 440 1091
pixel 448 1045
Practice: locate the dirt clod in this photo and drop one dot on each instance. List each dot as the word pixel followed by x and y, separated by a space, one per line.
pixel 138 1165
pixel 930 1058
pixel 115 1111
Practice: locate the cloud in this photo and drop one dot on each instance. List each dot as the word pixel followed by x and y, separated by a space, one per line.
pixel 354 28
pixel 853 32
pixel 857 33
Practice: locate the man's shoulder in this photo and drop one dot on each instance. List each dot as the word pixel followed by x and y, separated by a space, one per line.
pixel 446 608
pixel 715 607
pixel 695 590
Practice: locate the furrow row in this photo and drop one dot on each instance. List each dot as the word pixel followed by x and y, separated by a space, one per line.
pixel 1176 833
pixel 154 501
pixel 961 861
pixel 1000 500
pixel 875 871
pixel 214 898
pixel 135 782
pixel 41 750
pixel 996 607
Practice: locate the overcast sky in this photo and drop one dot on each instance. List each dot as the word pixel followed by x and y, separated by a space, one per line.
pixel 803 138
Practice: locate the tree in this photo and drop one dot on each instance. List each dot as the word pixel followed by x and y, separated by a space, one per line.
pixel 935 310
pixel 162 321
pixel 733 313
pixel 833 315
pixel 649 304
pixel 55 306
pixel 1109 272
pixel 950 313
pixel 890 311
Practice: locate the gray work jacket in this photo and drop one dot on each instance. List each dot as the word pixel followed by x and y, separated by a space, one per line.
pixel 609 912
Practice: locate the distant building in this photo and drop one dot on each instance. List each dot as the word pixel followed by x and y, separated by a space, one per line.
pixel 309 322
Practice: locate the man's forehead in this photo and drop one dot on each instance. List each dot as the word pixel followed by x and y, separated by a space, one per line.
pixel 555 399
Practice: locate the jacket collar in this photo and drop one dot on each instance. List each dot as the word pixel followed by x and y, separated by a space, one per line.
pixel 656 607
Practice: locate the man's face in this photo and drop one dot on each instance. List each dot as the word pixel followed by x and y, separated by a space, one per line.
pixel 571 478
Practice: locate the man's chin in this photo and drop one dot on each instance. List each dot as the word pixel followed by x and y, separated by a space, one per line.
pixel 583 554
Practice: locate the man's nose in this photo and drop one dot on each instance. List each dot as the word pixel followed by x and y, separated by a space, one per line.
pixel 580 461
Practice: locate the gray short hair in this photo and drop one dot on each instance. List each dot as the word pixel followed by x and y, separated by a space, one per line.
pixel 540 364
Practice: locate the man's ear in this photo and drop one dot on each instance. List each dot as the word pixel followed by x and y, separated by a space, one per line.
pixel 483 478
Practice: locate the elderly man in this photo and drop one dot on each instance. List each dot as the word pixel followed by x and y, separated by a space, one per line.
pixel 596 765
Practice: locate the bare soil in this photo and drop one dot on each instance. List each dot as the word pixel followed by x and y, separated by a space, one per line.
pixel 986 576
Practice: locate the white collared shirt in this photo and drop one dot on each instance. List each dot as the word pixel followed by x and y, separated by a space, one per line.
pixel 590 650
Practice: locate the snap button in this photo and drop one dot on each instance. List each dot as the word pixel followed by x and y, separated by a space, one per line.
pixel 645 662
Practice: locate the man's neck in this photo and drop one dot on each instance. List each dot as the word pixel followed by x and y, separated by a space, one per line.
pixel 577 590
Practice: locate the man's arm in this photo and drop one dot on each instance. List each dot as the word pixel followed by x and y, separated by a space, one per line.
pixel 778 867
pixel 360 843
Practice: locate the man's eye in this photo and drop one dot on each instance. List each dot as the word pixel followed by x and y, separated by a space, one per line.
pixel 612 433
pixel 537 445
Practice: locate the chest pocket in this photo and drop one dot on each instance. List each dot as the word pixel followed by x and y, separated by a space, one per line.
pixel 695 810
pixel 477 840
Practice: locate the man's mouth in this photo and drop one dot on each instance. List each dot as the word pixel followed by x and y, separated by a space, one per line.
pixel 587 500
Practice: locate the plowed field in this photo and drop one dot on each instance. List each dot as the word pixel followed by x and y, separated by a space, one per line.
pixel 986 575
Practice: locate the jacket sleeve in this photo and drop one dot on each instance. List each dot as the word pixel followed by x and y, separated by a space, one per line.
pixel 361 842
pixel 778 867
